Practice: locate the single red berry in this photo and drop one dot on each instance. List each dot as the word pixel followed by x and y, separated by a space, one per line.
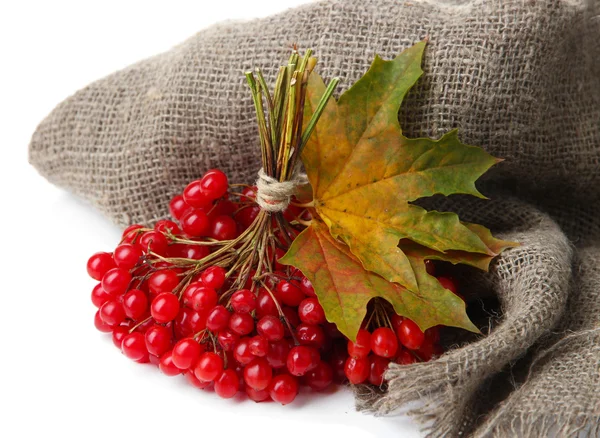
pixel 99 264
pixel 404 357
pixel 430 267
pixel 135 304
pixel 270 328
pixel 100 296
pixel 131 233
pixel 126 256
pixel 448 283
pixel 310 335
pixel 218 318
pixel 208 367
pixel 265 304
pixel 311 312
pixel 396 323
pixel 167 366
pixel 195 223
pixel 116 281
pixel 227 339
pixel 178 206
pixel 278 353
pixel 134 346
pixel 186 352
pixel 154 241
pixel 101 325
pixel 214 184
pixel 428 350
pixel 258 374
pixel 223 207
pixel 242 353
pixel 243 301
pixel 362 346
pixel 242 323
pixel 227 384
pixel 164 307
pixel 223 228
pixel 289 293
pixel 247 215
pixel 291 314
pixel 259 346
pixel 196 321
pixel 194 195
pixel 112 313
pixel 337 360
pixel 249 194
pixel 257 396
pixel 119 332
pixel 213 276
pixel 166 226
pixel 321 377
pixel 357 369
pixel 307 288
pixel 158 339
pixel 193 380
pixel 384 342
pixel 189 292
pixel 410 335
pixel 302 359
pixel 283 388
pixel 161 281
pixel 205 298
pixel 377 367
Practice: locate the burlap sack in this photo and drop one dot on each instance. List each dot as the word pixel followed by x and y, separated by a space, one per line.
pixel 520 78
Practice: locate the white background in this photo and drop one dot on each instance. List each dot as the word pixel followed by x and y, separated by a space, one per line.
pixel 58 375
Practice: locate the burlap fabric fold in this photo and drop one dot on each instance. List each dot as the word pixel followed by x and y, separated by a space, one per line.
pixel 519 78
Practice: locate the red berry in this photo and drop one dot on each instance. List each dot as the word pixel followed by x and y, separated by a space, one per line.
pixel 155 242
pixel 194 252
pixel 362 346
pixel 307 288
pixel 164 307
pixel 384 342
pixel 283 388
pixel 101 325
pixel 196 321
pixel 214 184
pixel 321 377
pixel 208 367
pixel 204 298
pixel 185 353
pixel 258 374
pixel 430 267
pixel 112 313
pixel 405 358
pixel 100 296
pixel 357 369
pixel 195 223
pixel 247 215
pixel 270 328
pixel 214 277
pixel 311 312
pixel 135 304
pixel 257 396
pixel 310 335
pixel 265 304
pixel 448 283
pixel 134 346
pixel 167 366
pixel 99 264
pixel 131 233
pixel 118 334
pixel 410 335
pixel 166 225
pixel 158 340
pixel 302 359
pixel 161 281
pixel 278 353
pixel 396 322
pixel 243 301
pixel 227 339
pixel 259 346
pixel 241 323
pixel 242 353
pixel 377 368
pixel 291 314
pixel 194 195
pixel 126 256
pixel 116 281
pixel 223 228
pixel 193 380
pixel 178 206
pixel 227 384
pixel 289 293
pixel 218 318
pixel 189 292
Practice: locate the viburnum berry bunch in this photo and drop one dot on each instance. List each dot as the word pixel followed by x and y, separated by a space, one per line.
pixel 263 289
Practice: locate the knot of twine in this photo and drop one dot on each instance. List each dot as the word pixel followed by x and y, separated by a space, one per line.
pixel 274 196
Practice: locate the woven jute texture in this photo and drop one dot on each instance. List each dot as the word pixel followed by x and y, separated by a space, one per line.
pixel 519 78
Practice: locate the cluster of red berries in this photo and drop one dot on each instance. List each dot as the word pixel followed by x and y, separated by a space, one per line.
pixel 164 306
